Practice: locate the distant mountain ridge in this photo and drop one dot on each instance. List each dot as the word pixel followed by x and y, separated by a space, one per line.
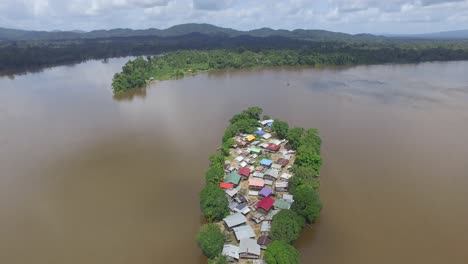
pixel 7 34
pixel 454 34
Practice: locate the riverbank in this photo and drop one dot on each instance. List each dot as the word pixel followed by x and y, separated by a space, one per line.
pixel 173 65
pixel 261 189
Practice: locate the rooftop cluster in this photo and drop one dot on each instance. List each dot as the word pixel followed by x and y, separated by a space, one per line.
pixel 257 194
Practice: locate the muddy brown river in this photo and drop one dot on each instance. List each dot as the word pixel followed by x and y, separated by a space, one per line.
pixel 88 178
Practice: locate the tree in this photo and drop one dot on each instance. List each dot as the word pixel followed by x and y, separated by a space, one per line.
pixel 307 156
pixel 213 202
pixel 303 175
pixel 286 226
pixel 280 128
pixel 216 158
pixel 266 117
pixel 254 112
pixel 220 259
pixel 280 252
pixel 295 136
pixel 307 203
pixel 211 240
pixel 311 138
pixel 214 175
pixel 227 145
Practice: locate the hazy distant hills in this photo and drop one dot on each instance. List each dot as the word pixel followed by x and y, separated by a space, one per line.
pixel 456 34
pixel 178 30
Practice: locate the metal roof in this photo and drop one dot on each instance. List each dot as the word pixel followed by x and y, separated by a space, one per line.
pixel 249 246
pixel 231 251
pixel 243 232
pixel 235 220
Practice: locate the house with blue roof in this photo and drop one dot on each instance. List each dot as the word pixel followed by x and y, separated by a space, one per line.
pixel 266 162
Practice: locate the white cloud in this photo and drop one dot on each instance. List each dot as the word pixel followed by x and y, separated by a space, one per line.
pixel 402 16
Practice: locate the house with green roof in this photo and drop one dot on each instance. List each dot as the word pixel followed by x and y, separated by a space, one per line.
pixel 233 178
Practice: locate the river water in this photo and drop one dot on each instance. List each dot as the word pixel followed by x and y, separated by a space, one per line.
pixel 88 178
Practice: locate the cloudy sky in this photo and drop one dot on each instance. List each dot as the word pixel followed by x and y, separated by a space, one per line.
pixel 352 16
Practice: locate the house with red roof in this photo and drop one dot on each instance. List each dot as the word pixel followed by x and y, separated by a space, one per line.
pixel 266 204
pixel 244 172
pixel 273 147
pixel 226 185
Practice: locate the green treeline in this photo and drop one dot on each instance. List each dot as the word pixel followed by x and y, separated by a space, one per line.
pixel 180 63
pixel 304 184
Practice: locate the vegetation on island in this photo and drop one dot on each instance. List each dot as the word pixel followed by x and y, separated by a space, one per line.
pixel 286 225
pixel 210 239
pixel 23 50
pixel 177 64
pixel 280 252
pixel 213 202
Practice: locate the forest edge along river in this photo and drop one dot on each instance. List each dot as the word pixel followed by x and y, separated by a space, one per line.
pixel 87 178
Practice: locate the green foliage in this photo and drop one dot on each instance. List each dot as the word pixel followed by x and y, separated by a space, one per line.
pixel 214 175
pixel 286 225
pixel 303 175
pixel 311 138
pixel 280 128
pixel 220 259
pixel 280 252
pixel 307 203
pixel 266 117
pixel 216 159
pixel 307 156
pixel 211 240
pixel 213 203
pixel 294 137
pixel 227 145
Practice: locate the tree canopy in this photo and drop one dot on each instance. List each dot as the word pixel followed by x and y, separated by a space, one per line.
pixel 294 137
pixel 307 203
pixel 211 240
pixel 213 203
pixel 303 175
pixel 286 226
pixel 281 128
pixel 280 252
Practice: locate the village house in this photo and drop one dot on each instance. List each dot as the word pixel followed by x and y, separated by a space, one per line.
pixel 258 174
pixel 226 185
pixel 258 218
pixel 265 204
pixel 269 182
pixel 250 138
pixel 233 178
pixel 281 186
pixel 271 175
pixel 275 142
pixel 234 220
pixel 243 164
pixel 266 162
pixel 242 208
pixel 239 159
pixel 273 147
pixel 266 136
pixel 285 176
pixel 260 132
pixel 243 232
pixel 231 252
pixel 270 214
pixel 249 249
pixel 263 241
pixel 265 228
pixel 244 172
pixel 256 184
pixel 265 192
pixel 264 145
pixel 283 162
pixel 282 204
pixel 276 166
pixel 232 192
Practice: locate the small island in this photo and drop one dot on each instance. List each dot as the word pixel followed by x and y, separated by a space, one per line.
pixel 261 190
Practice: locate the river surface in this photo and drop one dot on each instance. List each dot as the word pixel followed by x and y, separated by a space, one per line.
pixel 88 178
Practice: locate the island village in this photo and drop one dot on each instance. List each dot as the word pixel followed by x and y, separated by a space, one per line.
pixel 256 184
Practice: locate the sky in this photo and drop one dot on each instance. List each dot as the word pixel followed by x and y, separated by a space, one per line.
pixel 350 16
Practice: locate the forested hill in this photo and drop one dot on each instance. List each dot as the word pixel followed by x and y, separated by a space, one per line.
pixel 179 30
